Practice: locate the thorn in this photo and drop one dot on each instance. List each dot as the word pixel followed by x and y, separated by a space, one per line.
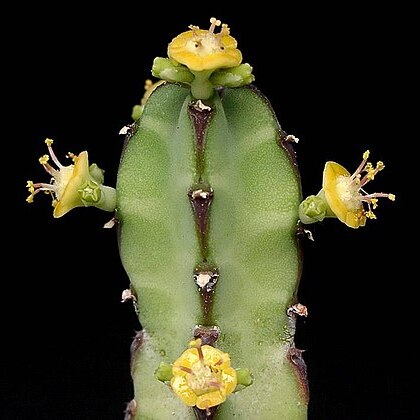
pixel 200 193
pixel 124 130
pixel 130 411
pixel 110 224
pixel 127 295
pixel 199 106
pixel 309 235
pixel 297 309
pixel 128 130
pixel 302 232
pixel 292 138
pixel 206 280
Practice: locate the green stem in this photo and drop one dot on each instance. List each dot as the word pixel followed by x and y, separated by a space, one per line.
pixel 201 87
pixel 328 211
pixel 108 200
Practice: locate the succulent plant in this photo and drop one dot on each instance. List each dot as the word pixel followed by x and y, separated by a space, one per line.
pixel 209 213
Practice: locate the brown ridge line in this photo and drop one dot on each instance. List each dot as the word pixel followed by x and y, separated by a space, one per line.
pixel 206 277
pixel 205 414
pixel 200 115
pixel 299 366
pixel 201 199
pixel 136 345
pixel 208 334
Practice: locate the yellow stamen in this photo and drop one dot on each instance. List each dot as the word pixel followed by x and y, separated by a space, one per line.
pixel 195 343
pixel 30 186
pixel 391 197
pixel 30 199
pixel 225 30
pixel 366 155
pixel 370 171
pixel 44 159
pixel 49 142
pixel 380 166
pixel 214 22
pixel 370 214
pixel 71 156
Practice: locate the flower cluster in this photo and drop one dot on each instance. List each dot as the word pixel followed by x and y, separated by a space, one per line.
pixel 343 195
pixel 202 376
pixel 201 49
pixel 74 185
pixel 204 59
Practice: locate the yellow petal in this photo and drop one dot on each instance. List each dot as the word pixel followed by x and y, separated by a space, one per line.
pixel 187 359
pixel 211 355
pixel 216 52
pixel 184 392
pixel 229 379
pixel 70 197
pixel 210 400
pixel 351 217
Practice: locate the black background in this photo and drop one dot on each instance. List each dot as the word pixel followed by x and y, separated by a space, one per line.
pixel 340 78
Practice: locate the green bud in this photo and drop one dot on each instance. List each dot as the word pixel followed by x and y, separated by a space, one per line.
pixel 96 173
pixel 233 77
pixel 244 377
pixel 166 69
pixel 313 209
pixel 164 372
pixel 136 112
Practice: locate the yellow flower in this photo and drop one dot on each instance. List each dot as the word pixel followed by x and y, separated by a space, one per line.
pixel 345 194
pixel 200 49
pixel 202 376
pixel 75 185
